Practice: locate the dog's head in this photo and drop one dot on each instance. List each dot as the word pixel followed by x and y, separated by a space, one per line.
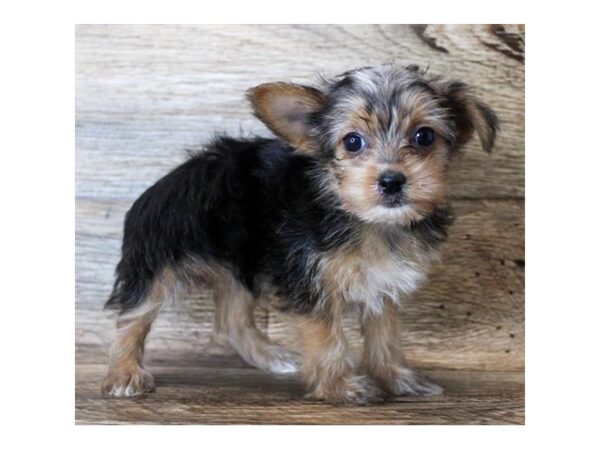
pixel 384 135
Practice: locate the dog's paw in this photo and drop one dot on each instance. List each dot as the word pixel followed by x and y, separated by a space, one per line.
pixel 128 383
pixel 406 381
pixel 282 361
pixel 355 389
pixel 272 358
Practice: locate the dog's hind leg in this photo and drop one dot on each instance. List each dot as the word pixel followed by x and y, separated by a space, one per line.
pixel 235 325
pixel 126 373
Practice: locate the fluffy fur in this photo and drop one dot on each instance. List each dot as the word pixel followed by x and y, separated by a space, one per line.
pixel 303 219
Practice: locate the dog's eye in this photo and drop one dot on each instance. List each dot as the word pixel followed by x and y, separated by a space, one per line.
pixel 424 137
pixel 354 142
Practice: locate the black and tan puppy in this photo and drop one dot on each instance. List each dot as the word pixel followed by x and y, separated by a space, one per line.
pixel 347 208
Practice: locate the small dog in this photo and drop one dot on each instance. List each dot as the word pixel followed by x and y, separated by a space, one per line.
pixel 347 208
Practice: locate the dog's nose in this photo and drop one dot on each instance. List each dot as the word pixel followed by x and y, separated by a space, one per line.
pixel 391 182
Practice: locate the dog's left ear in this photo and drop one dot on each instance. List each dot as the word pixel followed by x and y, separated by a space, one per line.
pixel 469 113
pixel 286 109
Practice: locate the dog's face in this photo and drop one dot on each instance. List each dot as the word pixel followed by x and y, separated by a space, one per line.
pixel 384 135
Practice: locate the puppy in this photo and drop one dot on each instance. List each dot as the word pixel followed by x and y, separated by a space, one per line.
pixel 347 207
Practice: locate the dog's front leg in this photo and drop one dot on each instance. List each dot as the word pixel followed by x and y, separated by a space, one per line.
pixel 327 366
pixel 383 358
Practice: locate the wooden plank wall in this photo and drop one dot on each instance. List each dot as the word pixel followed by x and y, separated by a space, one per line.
pixel 144 94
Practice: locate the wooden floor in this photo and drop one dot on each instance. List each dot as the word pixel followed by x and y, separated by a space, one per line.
pixel 224 390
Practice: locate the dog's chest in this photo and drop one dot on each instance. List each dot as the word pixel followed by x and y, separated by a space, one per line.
pixel 374 267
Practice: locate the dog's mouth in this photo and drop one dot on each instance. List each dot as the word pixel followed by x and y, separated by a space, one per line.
pixel 393 201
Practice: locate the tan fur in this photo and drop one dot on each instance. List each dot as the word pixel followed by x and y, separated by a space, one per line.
pixel 426 186
pixel 126 374
pixel 383 358
pixel 327 367
pixel 235 325
pixel 427 182
pixel 379 262
pixel 284 107
pixel 382 349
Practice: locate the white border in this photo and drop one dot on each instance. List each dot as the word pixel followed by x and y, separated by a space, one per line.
pixel 38 227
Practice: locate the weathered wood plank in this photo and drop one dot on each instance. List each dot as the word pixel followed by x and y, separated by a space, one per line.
pixel 145 93
pixel 470 315
pixel 221 391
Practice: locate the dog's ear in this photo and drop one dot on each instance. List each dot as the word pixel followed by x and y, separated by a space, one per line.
pixel 469 113
pixel 286 109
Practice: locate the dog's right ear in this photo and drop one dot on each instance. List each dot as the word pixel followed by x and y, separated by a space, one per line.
pixel 286 109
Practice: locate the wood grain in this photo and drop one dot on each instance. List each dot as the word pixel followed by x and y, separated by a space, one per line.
pixel 145 94
pixel 224 391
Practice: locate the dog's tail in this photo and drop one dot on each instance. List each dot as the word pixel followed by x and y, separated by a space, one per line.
pixel 130 289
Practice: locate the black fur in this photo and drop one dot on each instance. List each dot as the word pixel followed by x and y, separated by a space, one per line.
pixel 250 205
pixel 433 230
